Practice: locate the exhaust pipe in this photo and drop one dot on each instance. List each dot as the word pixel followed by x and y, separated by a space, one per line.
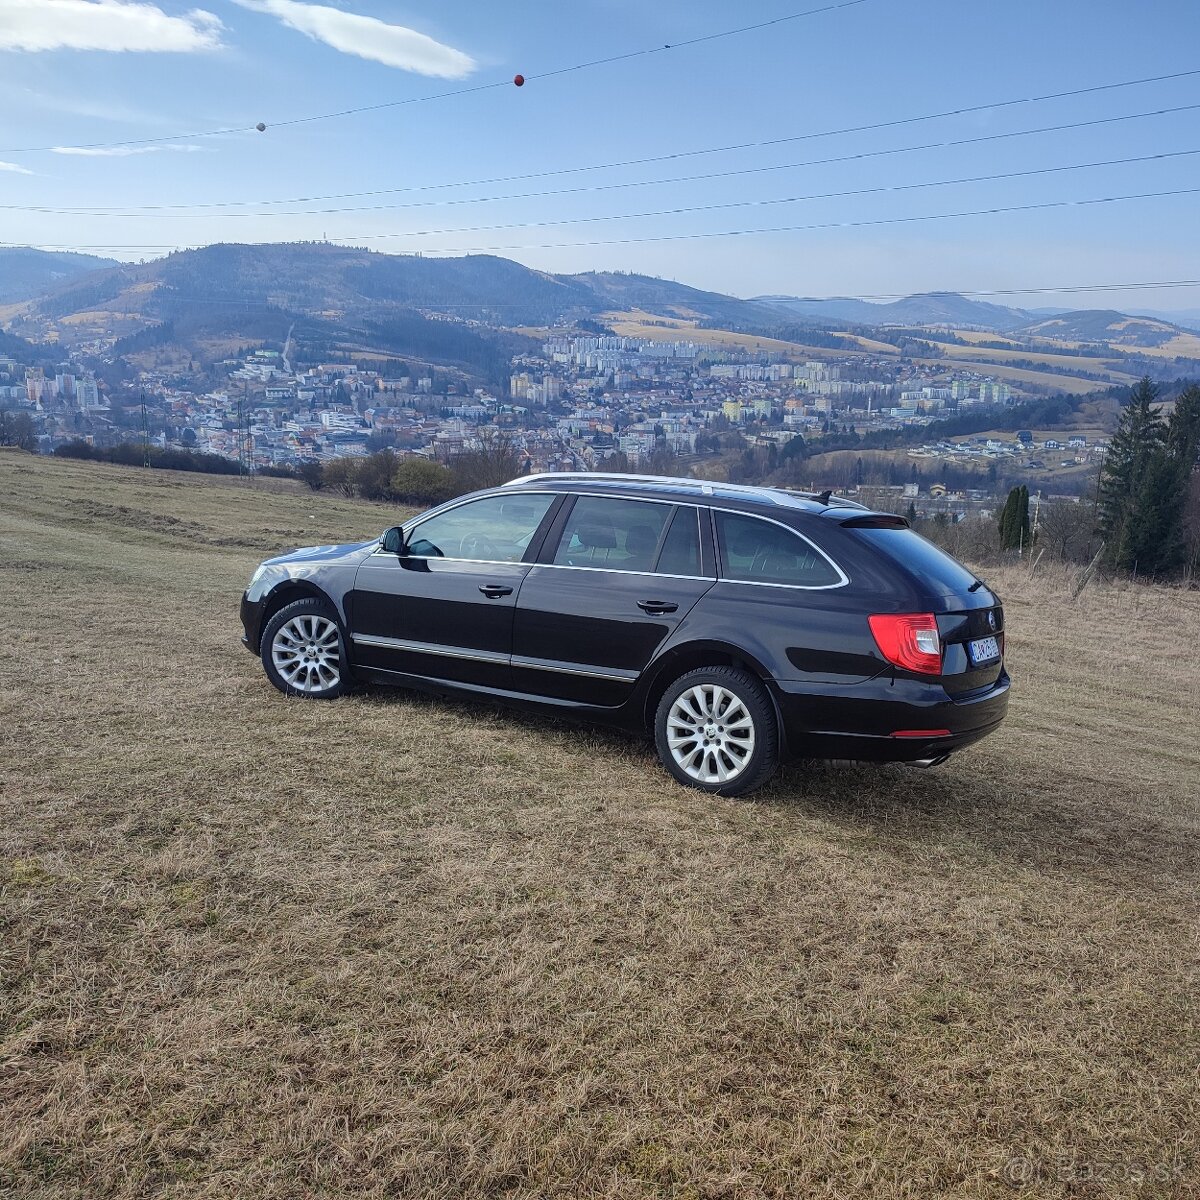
pixel 926 763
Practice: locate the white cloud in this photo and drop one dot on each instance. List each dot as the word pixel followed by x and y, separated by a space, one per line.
pixel 36 25
pixel 367 37
pixel 120 151
pixel 15 168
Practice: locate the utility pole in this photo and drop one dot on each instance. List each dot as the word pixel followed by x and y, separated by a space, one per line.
pixel 145 430
pixel 247 440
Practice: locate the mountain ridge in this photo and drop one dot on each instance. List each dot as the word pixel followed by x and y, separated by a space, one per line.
pixel 349 286
pixel 26 272
pixel 922 308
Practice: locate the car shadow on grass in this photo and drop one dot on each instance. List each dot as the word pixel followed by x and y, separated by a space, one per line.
pixel 973 809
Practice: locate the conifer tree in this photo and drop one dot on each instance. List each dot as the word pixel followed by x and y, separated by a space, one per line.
pixel 1158 537
pixel 1125 485
pixel 1151 538
pixel 1014 520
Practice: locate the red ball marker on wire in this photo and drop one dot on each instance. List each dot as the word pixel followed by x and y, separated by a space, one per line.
pixel 519 80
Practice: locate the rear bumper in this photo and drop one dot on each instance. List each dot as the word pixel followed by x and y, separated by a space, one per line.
pixel 862 721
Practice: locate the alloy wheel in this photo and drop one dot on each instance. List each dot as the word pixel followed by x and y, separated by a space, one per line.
pixel 710 733
pixel 306 652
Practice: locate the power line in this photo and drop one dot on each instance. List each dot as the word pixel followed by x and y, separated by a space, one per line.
pixel 676 237
pixel 684 237
pixel 1036 291
pixel 840 195
pixel 465 91
pixel 1017 291
pixel 634 162
pixel 156 210
pixel 739 204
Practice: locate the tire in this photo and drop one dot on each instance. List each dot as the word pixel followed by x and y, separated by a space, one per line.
pixel 720 763
pixel 304 653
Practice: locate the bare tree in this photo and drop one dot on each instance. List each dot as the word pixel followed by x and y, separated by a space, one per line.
pixel 1065 530
pixel 495 462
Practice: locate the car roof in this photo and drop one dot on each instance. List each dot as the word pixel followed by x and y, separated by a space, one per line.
pixel 674 488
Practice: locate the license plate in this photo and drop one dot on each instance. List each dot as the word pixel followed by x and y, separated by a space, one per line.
pixel 983 650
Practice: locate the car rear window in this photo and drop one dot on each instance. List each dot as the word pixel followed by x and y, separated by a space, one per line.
pixel 754 551
pixel 921 557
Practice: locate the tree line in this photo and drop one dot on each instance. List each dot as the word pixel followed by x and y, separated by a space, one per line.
pixel 135 454
pixel 410 479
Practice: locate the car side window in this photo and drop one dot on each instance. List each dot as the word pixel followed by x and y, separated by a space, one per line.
pixel 612 534
pixel 681 551
pixel 756 551
pixel 494 529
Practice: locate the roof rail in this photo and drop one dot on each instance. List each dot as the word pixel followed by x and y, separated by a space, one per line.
pixel 707 487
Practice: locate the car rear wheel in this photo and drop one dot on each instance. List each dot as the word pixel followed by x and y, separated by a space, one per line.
pixel 715 730
pixel 303 652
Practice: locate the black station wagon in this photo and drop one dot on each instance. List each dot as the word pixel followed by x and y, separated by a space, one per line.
pixel 739 625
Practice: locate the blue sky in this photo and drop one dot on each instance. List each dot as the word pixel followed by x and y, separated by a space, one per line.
pixel 78 72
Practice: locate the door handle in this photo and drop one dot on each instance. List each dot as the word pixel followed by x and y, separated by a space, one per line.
pixel 493 591
pixel 657 608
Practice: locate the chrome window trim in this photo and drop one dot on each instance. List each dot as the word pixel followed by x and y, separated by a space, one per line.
pixel 618 571
pixel 520 562
pixel 843 578
pixel 719 577
pixel 800 587
pixel 508 562
pixel 483 562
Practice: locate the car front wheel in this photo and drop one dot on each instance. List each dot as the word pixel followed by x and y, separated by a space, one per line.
pixel 302 651
pixel 715 729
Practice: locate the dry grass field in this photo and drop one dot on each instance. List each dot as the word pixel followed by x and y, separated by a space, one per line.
pixel 1067 362
pixel 393 947
pixel 993 362
pixel 653 328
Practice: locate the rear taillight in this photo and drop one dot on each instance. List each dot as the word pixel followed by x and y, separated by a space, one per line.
pixel 909 640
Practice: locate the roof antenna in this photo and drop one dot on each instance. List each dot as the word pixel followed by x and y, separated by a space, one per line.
pixel 823 497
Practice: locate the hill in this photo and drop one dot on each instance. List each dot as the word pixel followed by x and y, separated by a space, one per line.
pixel 343 283
pixel 935 308
pixel 25 272
pixel 201 306
pixel 1106 326
pixel 396 946
pixel 666 298
pixel 317 278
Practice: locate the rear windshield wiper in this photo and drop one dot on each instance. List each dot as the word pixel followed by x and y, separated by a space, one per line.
pixel 975 586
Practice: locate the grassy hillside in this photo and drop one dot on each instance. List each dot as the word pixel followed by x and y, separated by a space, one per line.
pixel 392 946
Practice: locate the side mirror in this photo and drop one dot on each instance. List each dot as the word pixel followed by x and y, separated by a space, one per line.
pixel 393 541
